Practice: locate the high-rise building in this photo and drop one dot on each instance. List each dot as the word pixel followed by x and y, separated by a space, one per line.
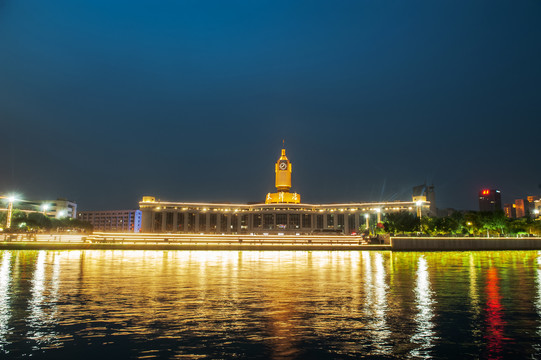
pixel 536 209
pixel 490 200
pixel 532 198
pixel 113 220
pixel 510 210
pixel 522 207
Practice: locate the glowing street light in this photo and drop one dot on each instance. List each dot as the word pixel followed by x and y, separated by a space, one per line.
pixel 11 200
pixel 419 204
pixel 367 217
pixel 45 208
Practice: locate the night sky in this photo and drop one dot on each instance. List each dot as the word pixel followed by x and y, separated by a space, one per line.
pixel 103 102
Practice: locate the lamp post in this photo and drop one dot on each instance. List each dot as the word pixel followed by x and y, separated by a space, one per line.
pixel 45 208
pixel 378 212
pixel 470 230
pixel 367 217
pixel 11 200
pixel 419 209
pixel 420 214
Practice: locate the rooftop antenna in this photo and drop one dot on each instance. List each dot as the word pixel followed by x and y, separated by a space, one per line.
pixel 283 143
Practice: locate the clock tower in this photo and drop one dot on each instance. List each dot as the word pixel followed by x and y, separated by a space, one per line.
pixel 282 168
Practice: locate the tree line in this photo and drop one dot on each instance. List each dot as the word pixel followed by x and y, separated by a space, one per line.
pixel 38 222
pixel 461 224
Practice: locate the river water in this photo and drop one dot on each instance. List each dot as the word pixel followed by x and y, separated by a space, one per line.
pixel 270 305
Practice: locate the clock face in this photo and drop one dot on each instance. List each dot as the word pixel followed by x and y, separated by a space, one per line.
pixel 283 165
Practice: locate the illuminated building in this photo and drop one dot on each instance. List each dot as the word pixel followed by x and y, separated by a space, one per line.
pixel 283 169
pixel 281 213
pixel 490 200
pixel 532 198
pixel 510 210
pixel 59 208
pixel 426 193
pixel 113 220
pixel 522 207
pixel 527 207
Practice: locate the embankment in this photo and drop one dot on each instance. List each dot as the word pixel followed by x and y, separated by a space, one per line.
pixel 463 243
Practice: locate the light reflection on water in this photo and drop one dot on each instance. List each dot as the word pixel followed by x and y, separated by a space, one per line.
pixel 537 303
pixel 278 305
pixel 424 334
pixel 4 298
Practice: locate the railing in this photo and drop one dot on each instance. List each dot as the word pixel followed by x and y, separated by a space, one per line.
pixel 61 238
pixel 196 239
pixel 189 239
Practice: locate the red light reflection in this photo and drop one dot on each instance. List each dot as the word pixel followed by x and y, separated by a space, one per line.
pixel 494 334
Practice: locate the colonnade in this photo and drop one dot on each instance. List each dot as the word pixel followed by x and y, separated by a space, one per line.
pixel 242 222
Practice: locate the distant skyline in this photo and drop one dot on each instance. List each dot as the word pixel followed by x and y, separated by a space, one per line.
pixel 104 102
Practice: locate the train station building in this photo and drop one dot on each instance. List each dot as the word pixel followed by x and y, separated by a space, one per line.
pixel 281 213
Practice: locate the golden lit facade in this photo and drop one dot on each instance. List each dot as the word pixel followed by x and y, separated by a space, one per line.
pixel 282 213
pixel 288 219
pixel 282 169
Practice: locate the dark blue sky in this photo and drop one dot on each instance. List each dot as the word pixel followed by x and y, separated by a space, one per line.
pixel 105 101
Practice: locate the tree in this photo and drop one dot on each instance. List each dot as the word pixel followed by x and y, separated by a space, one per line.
pixel 66 223
pixel 493 221
pixel 18 219
pixel 402 221
pixel 38 221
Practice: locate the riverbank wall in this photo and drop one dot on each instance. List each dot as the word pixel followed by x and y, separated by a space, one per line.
pixel 463 243
pixel 116 241
pixel 221 247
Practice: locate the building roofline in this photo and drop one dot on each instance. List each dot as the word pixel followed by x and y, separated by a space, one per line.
pixel 377 204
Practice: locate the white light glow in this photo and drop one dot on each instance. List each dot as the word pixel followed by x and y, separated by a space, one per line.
pixel 424 334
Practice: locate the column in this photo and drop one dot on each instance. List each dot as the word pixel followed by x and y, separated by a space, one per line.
pixel 196 222
pixel 146 220
pixel 164 213
pixel 175 221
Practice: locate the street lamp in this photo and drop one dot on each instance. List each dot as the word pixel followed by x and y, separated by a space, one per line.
pixel 11 200
pixel 45 208
pixel 378 212
pixel 419 204
pixel 367 217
